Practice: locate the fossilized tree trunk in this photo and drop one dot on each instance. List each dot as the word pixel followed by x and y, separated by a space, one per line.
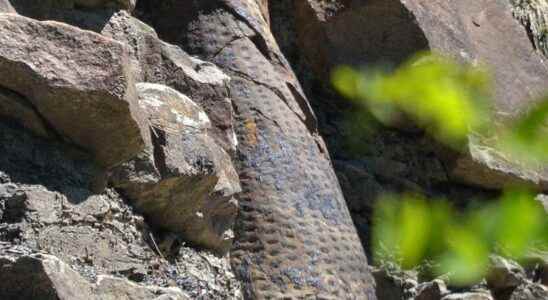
pixel 294 234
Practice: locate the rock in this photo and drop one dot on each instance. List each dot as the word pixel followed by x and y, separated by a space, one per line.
pixel 6 7
pixel 394 285
pixel 79 82
pixel 468 296
pixel 544 201
pixel 331 34
pixel 112 288
pixel 434 290
pixel 189 184
pixel 17 108
pixel 51 278
pixel 163 63
pixel 534 16
pixel 53 209
pixel 504 274
pixel 291 198
pixel 530 291
pixel 38 9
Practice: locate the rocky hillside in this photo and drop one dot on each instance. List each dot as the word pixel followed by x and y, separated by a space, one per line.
pixel 163 149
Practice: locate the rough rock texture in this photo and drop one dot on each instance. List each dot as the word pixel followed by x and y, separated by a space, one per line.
pixel 52 210
pixel 51 278
pixel 533 14
pixel 479 32
pixel 294 235
pixel 36 9
pixel 185 182
pixel 79 82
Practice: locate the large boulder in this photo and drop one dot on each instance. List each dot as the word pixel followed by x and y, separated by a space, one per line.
pixel 186 182
pixel 476 32
pixel 78 82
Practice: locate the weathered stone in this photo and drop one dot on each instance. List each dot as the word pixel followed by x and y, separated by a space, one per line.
pixel 533 14
pixel 504 274
pixel 188 186
pixel 15 107
pixel 291 198
pixel 78 82
pixel 6 7
pixel 478 32
pixel 158 62
pixel 41 276
pixel 38 9
pixel 530 291
pixel 468 296
pixel 434 290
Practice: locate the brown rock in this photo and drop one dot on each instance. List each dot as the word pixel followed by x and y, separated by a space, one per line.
pixel 17 108
pixel 477 32
pixel 291 198
pixel 188 184
pixel 158 62
pixel 79 82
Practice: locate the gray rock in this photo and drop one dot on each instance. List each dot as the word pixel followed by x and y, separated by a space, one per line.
pixel 504 274
pixel 158 62
pixel 187 185
pixel 79 82
pixel 477 32
pixel 37 9
pixel 530 291
pixel 41 277
pixel 434 290
pixel 469 296
pixel 6 7
pixel 51 278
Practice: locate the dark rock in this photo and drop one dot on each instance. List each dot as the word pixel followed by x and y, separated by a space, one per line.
pixel 51 278
pixel 504 274
pixel 189 184
pixel 530 291
pixel 37 9
pixel 79 82
pixel 434 290
pixel 17 108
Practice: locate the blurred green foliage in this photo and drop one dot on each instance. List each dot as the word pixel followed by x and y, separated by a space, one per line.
pixel 446 98
pixel 450 101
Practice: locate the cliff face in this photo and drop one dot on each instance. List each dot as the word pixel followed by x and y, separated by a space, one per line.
pixel 175 149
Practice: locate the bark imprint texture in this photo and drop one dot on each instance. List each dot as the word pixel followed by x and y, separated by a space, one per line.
pixel 294 235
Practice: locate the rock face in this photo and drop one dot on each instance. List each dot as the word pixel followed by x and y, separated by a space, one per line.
pixel 185 183
pixel 77 81
pixel 53 279
pixel 294 235
pixel 476 32
pixel 480 32
pixel 36 8
pixel 52 210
